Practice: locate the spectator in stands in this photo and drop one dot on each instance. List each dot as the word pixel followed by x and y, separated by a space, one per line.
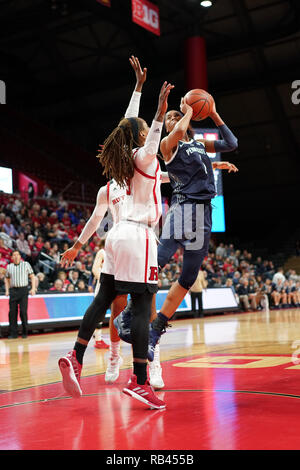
pixel 89 263
pixel 277 291
pixel 80 226
pixel 73 217
pixel 33 249
pixel 74 277
pixel 42 282
pixel 46 264
pixel 295 294
pixel 286 297
pixel 53 218
pixel 23 247
pixel 66 221
pixel 71 288
pixel 62 275
pixel 39 243
pixel 243 291
pixel 2 219
pixel 292 275
pixel 81 286
pixel 58 286
pixel 255 294
pixel 30 191
pixel 55 253
pixel 221 250
pixel 43 217
pixel 278 276
pixel 71 233
pixel 45 229
pixel 47 192
pixel 9 228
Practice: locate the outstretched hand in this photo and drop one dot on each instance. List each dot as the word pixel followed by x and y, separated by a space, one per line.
pixel 140 74
pixel 225 166
pixel 163 101
pixel 68 257
pixel 184 106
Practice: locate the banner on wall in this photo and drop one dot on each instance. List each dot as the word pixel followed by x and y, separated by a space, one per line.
pixel 146 15
pixel 55 309
pixel 26 184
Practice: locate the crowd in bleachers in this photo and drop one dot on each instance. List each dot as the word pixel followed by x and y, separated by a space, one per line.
pixel 43 229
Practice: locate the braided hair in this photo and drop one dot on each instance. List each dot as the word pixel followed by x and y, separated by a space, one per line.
pixel 116 153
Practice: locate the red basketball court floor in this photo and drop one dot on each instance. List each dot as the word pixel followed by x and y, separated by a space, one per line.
pixel 231 382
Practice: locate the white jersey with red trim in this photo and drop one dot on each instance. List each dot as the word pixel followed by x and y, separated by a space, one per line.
pixel 115 200
pixel 143 197
pixel 110 197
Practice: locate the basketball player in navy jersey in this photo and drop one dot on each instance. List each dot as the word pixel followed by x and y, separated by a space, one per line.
pixel 189 219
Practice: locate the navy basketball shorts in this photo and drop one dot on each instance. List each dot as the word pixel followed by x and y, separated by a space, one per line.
pixel 187 225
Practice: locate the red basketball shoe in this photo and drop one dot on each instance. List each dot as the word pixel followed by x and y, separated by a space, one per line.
pixel 101 345
pixel 143 393
pixel 71 370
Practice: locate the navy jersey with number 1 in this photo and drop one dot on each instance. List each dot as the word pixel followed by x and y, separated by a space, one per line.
pixel 191 173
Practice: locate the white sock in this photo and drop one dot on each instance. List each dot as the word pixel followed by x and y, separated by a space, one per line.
pixel 98 334
pixel 156 359
pixel 115 348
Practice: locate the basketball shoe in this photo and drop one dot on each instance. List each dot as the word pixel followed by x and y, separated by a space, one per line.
pixel 143 393
pixel 157 328
pixel 155 371
pixel 71 370
pixel 155 374
pixel 101 345
pixel 113 369
pixel 123 323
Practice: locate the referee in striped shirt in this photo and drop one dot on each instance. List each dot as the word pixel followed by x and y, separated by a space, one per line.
pixel 16 286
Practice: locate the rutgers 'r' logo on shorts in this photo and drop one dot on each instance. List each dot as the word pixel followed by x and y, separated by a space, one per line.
pixel 153 273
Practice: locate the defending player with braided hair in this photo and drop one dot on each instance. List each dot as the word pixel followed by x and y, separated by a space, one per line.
pixel 116 154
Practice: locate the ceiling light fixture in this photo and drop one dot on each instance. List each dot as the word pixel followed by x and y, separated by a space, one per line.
pixel 206 3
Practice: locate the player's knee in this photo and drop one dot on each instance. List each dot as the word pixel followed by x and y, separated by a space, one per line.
pixel 187 279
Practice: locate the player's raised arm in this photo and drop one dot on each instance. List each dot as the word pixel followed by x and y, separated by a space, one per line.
pixel 148 152
pixel 141 75
pixel 228 143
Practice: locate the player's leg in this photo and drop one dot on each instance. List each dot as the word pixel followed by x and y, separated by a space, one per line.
pixel 71 365
pixel 192 260
pixel 99 343
pixel 166 249
pixel 138 386
pixel 155 369
pixel 114 360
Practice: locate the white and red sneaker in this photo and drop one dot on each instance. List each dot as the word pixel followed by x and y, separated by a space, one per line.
pixel 71 370
pixel 143 393
pixel 113 369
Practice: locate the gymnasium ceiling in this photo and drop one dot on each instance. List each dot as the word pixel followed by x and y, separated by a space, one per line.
pixel 68 68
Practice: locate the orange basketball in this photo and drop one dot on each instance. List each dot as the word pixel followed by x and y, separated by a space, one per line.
pixel 201 102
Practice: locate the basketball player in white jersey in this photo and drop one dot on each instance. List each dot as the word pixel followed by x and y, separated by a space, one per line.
pixel 96 271
pixel 130 264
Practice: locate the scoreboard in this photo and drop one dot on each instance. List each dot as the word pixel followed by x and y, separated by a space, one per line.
pixel 218 211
